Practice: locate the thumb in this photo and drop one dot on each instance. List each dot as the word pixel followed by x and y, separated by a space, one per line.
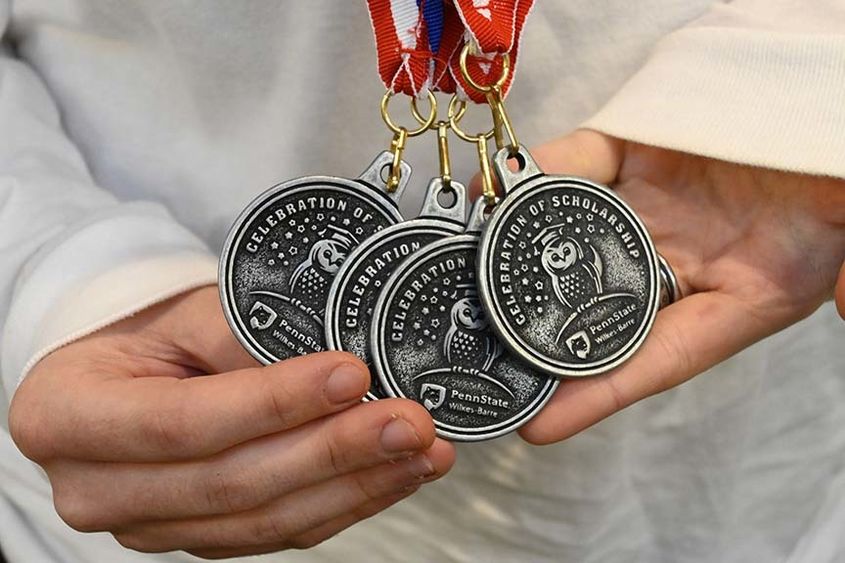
pixel 840 292
pixel 584 152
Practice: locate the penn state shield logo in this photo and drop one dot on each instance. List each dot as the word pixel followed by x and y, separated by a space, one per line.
pixel 433 395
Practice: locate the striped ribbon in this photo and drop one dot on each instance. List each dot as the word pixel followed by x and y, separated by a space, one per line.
pixel 418 42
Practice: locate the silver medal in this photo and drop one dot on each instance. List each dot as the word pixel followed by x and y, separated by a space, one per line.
pixel 567 272
pixel 283 251
pixel 431 342
pixel 356 287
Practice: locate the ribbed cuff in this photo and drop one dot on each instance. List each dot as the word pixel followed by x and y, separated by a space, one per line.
pixel 116 295
pixel 762 98
pixel 116 262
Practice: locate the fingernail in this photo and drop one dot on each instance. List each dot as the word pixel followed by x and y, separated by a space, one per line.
pixel 346 383
pixel 420 466
pixel 399 436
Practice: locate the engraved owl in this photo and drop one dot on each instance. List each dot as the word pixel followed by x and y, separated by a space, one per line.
pixel 311 280
pixel 575 274
pixel 469 342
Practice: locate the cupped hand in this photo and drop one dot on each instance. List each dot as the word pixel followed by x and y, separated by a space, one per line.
pixel 754 251
pixel 161 430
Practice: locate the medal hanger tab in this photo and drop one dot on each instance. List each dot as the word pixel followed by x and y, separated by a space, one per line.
pixel 526 169
pixel 478 215
pixel 377 174
pixel 433 207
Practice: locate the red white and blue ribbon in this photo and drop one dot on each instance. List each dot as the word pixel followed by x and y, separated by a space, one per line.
pixel 419 41
pixel 495 27
pixel 415 40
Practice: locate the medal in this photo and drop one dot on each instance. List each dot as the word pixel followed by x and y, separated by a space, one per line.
pixel 567 272
pixel 286 247
pixel 431 342
pixel 363 275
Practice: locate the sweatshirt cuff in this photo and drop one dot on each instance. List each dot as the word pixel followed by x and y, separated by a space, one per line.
pixel 116 295
pixel 116 263
pixel 762 98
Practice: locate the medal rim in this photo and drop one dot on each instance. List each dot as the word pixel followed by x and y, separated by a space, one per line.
pixel 433 225
pixel 265 199
pixel 388 382
pixel 498 320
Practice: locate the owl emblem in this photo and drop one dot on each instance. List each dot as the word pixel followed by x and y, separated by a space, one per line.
pixel 469 342
pixel 575 274
pixel 311 280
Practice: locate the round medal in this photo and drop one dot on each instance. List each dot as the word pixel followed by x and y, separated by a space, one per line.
pixel 284 250
pixel 431 342
pixel 567 272
pixel 356 286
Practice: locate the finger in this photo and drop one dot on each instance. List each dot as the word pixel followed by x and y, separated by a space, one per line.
pixel 244 477
pixel 294 514
pixel 313 537
pixel 584 152
pixel 840 292
pixel 160 418
pixel 688 337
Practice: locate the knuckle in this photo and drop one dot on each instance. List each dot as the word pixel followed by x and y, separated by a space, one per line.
pixel 271 528
pixel 135 542
pixel 27 426
pixel 306 541
pixel 619 400
pixel 76 511
pixel 172 431
pixel 671 343
pixel 280 403
pixel 336 456
pixel 225 494
pixel 368 490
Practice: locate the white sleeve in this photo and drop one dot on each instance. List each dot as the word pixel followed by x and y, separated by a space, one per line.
pixel 759 82
pixel 72 257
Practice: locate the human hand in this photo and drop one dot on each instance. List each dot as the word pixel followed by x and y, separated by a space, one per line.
pixel 754 251
pixel 248 460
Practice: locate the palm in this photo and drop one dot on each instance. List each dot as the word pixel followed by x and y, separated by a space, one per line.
pixel 754 251
pixel 768 240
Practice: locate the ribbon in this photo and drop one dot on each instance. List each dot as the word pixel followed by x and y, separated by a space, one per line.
pixel 418 42
pixel 495 27
pixel 415 40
